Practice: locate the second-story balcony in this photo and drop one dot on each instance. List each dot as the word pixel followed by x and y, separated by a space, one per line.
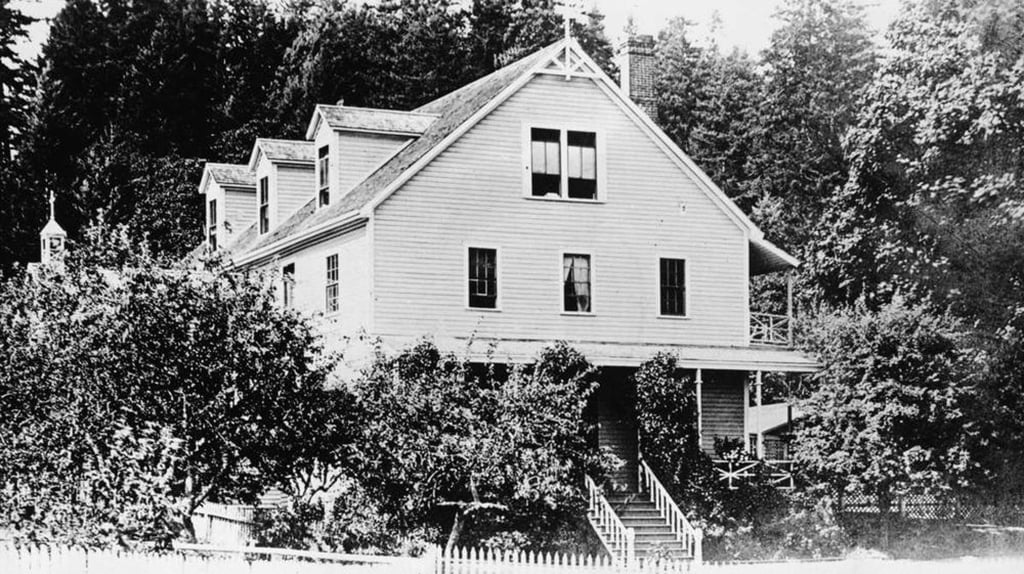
pixel 771 329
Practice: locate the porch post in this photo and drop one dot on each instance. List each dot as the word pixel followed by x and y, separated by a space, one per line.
pixel 757 417
pixel 700 409
pixel 746 409
pixel 789 306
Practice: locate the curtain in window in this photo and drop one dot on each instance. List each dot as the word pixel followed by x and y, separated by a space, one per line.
pixel 576 277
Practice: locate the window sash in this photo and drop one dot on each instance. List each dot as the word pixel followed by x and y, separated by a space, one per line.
pixel 483 278
pixel 323 177
pixel 264 204
pixel 550 150
pixel 331 288
pixel 673 287
pixel 288 284
pixel 211 235
pixel 576 283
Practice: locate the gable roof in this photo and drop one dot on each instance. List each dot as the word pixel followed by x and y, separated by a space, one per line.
pixel 227 174
pixel 451 111
pixel 369 120
pixel 288 151
pixel 458 111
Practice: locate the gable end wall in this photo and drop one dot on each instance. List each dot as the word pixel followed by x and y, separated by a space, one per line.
pixel 473 194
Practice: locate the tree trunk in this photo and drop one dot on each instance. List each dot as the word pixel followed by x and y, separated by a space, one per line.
pixel 453 536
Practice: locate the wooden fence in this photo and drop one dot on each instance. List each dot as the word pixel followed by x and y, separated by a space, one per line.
pixel 213 560
pixel 477 561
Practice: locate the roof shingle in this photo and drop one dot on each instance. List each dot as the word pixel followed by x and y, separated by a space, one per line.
pixel 286 150
pixel 232 174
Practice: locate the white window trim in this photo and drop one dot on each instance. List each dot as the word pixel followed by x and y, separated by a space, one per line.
pixel 686 285
pixel 561 282
pixel 284 279
pixel 270 203
pixel 563 129
pixel 337 311
pixel 497 274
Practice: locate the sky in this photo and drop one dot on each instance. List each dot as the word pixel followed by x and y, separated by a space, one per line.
pixel 745 24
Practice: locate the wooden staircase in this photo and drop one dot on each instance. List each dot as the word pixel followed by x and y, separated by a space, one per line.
pixel 653 536
pixel 633 514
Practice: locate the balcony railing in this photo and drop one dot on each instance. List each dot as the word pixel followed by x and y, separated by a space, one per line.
pixel 736 472
pixel 769 329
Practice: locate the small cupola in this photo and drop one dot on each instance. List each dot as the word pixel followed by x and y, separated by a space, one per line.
pixel 52 239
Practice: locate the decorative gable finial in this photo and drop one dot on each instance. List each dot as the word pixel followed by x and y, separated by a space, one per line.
pixel 570 10
pixel 52 201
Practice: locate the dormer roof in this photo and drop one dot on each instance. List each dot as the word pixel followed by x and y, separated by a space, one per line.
pixel 227 175
pixel 281 151
pixel 371 120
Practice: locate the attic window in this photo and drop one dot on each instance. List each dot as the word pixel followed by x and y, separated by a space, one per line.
pixel 546 162
pixel 563 164
pixel 264 205
pixel 323 176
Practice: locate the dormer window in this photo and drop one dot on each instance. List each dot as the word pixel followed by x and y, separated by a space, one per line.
pixel 264 204
pixel 323 164
pixel 563 164
pixel 211 236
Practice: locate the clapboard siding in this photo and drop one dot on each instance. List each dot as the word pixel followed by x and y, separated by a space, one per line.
pixel 360 154
pixel 294 189
pixel 721 407
pixel 239 213
pixel 473 194
pixel 352 249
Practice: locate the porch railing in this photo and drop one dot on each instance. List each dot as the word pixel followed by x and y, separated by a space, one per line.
pixel 770 329
pixel 735 472
pixel 618 540
pixel 684 531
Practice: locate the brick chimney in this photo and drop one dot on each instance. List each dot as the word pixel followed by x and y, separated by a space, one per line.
pixel 635 58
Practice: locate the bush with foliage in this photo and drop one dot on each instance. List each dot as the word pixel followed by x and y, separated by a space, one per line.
pixel 891 408
pixel 132 392
pixel 497 454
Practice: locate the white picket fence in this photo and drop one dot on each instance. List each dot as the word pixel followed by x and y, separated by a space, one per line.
pixel 29 559
pixel 214 560
pixel 485 561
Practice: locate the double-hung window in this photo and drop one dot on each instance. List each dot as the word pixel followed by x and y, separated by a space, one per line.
pixel 576 283
pixel 264 204
pixel 331 288
pixel 212 231
pixel 323 176
pixel 673 287
pixel 563 164
pixel 288 285
pixel 483 278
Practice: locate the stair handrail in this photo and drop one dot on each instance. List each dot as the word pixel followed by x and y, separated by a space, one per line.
pixel 617 539
pixel 685 532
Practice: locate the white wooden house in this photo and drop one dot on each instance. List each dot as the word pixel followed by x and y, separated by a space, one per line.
pixel 536 204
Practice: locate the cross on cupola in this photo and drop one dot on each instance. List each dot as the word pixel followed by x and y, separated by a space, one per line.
pixel 52 238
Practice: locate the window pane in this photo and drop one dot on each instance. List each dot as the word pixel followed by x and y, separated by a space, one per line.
pixel 575 159
pixel 537 160
pixel 589 161
pixel 544 135
pixel 551 160
pixel 582 139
